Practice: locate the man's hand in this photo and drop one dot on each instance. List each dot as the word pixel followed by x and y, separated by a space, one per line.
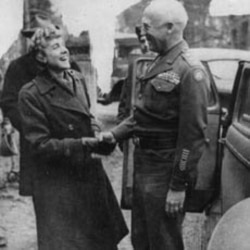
pixel 90 142
pixel 175 202
pixel 107 137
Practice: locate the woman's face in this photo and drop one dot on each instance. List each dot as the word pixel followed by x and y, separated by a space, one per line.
pixel 56 55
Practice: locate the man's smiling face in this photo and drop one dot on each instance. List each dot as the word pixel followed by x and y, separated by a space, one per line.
pixel 155 33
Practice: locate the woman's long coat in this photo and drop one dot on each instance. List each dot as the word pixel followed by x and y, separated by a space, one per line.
pixel 74 202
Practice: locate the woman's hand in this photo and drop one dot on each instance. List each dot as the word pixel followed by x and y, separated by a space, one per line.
pixel 90 142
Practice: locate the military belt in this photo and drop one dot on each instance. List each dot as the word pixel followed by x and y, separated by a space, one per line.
pixel 154 143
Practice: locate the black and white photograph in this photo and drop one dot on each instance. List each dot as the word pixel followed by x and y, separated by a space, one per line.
pixel 124 124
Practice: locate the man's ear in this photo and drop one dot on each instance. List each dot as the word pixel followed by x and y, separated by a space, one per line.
pixel 40 57
pixel 169 26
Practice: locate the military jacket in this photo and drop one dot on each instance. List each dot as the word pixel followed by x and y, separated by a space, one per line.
pixel 173 101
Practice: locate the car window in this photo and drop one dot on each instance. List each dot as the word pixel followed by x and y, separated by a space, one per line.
pixel 212 91
pixel 244 112
pixel 224 72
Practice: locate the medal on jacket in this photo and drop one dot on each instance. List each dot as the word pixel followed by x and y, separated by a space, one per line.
pixel 170 76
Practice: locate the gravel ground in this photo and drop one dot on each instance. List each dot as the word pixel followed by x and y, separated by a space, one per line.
pixel 17 219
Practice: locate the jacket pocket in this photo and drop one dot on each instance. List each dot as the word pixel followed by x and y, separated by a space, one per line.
pixel 160 85
pixel 161 96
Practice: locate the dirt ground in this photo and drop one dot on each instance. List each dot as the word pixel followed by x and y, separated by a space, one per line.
pixel 17 219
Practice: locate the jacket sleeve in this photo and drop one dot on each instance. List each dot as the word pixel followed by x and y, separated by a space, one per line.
pixel 192 127
pixel 36 130
pixel 9 97
pixel 124 130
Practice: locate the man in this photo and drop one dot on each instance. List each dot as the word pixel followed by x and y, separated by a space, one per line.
pixel 74 203
pixel 169 129
pixel 125 97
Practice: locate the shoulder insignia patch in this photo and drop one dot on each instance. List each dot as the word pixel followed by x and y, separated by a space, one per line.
pixel 198 75
pixel 170 76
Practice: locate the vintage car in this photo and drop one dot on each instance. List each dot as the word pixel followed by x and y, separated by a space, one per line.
pixel 125 44
pixel 223 171
pixel 126 47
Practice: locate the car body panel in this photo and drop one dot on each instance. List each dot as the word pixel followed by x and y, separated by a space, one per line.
pixel 236 162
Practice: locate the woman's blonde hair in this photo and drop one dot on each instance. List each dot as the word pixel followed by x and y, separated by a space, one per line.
pixel 43 35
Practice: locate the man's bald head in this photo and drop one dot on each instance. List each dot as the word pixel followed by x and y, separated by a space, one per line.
pixel 167 11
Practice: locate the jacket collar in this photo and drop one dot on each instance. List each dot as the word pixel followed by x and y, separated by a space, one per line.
pixel 47 82
pixel 62 96
pixel 166 61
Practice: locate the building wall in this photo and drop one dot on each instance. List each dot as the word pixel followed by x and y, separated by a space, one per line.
pixel 204 30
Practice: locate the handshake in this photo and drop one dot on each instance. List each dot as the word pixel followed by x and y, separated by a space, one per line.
pixel 107 137
pixel 103 143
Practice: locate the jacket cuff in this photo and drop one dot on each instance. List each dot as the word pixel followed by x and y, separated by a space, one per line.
pixel 72 146
pixel 76 152
pixel 178 184
pixel 119 133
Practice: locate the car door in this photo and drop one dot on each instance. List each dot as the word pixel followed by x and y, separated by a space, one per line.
pixel 207 168
pixel 235 175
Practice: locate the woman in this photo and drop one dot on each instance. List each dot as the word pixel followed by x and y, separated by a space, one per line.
pixel 74 203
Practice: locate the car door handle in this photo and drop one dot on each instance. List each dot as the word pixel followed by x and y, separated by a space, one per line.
pixel 222 140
